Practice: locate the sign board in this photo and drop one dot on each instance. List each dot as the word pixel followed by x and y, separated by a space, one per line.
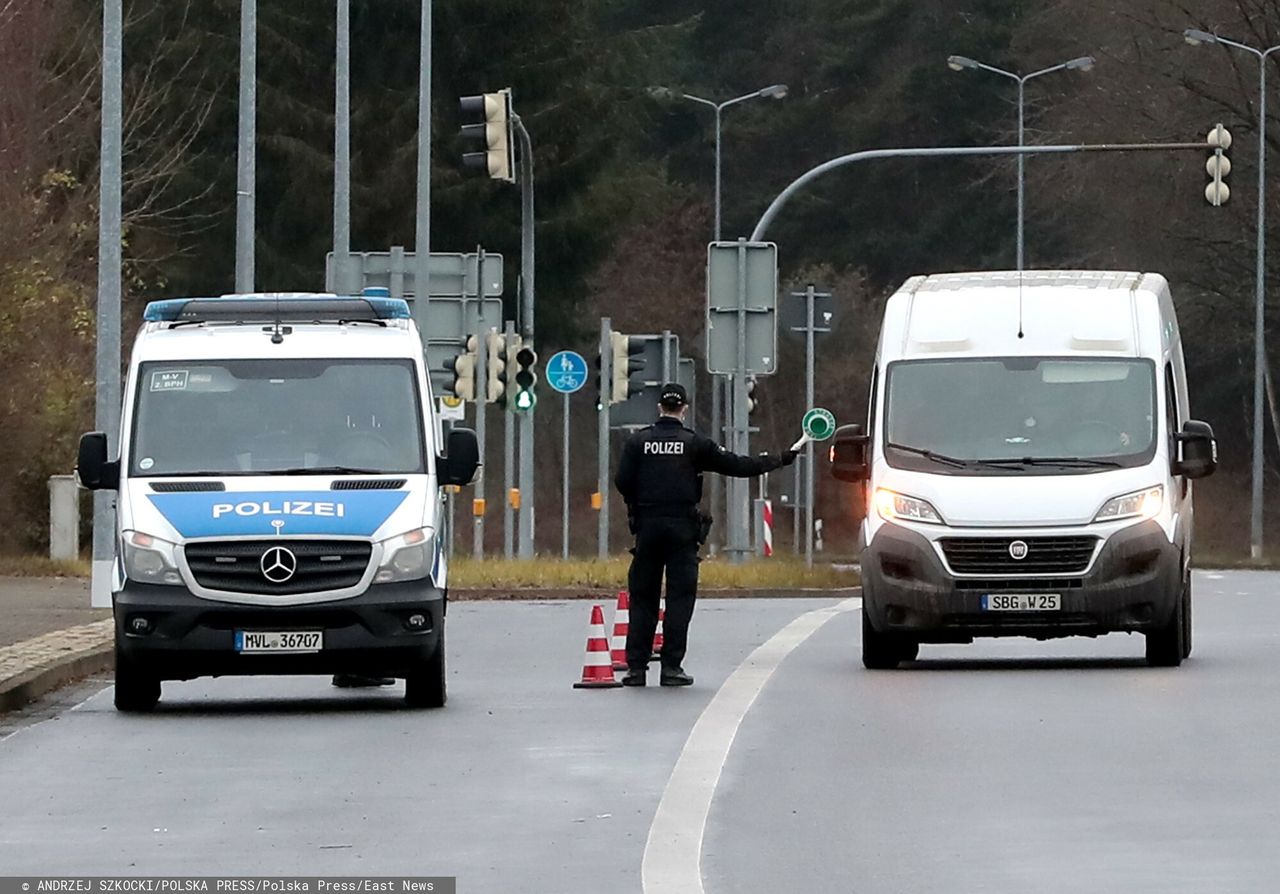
pixel 447 324
pixel 566 371
pixel 452 275
pixel 641 408
pixel 793 315
pixel 789 484
pixel 742 281
pixel 687 375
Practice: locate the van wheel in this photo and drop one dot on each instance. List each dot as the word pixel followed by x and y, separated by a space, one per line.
pixel 884 651
pixel 425 688
pixel 1165 646
pixel 136 691
pixel 1186 614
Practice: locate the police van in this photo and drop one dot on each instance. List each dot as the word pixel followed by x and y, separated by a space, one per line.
pixel 280 480
pixel 1028 460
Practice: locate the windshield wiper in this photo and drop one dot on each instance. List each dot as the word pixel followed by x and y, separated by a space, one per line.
pixel 940 458
pixel 321 470
pixel 1080 461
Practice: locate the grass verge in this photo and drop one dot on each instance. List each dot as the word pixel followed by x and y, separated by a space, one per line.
pixel 37 566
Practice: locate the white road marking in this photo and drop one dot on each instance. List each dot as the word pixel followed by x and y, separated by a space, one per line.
pixel 673 854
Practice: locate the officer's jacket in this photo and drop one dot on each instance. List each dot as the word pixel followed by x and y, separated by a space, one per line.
pixel 662 465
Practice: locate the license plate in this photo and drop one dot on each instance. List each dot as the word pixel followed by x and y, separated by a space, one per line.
pixel 279 640
pixel 1022 602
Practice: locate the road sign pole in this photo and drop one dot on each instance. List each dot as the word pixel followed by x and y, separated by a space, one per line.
pixel 564 485
pixel 809 299
pixel 482 383
pixel 602 441
pixel 717 434
pixel 741 510
pixel 247 145
pixel 508 454
pixel 795 508
pixel 526 322
pixel 342 150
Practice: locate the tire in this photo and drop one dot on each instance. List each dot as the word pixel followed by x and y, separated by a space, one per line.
pixel 425 688
pixel 136 691
pixel 1186 614
pixel 884 651
pixel 1166 646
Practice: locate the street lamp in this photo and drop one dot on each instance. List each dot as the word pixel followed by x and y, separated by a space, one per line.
pixel 960 63
pixel 737 490
pixel 1196 38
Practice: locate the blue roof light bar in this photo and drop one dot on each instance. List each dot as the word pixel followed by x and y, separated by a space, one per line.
pixel 292 308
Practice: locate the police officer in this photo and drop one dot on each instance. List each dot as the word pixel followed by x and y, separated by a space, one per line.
pixel 660 477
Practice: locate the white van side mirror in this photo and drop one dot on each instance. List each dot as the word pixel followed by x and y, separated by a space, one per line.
pixel 1197 450
pixel 849 461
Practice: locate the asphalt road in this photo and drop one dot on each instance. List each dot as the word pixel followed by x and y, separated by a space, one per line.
pixel 1004 766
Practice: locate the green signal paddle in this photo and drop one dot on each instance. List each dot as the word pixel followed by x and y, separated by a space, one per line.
pixel 818 425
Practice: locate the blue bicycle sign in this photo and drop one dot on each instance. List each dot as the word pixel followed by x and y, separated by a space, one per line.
pixel 566 371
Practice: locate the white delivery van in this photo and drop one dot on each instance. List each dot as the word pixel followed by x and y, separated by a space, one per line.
pixel 1028 459
pixel 279 479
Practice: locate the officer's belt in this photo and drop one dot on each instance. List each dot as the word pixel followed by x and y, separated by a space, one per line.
pixel 665 510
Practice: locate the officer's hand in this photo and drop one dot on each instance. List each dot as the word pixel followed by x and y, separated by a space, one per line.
pixel 788 457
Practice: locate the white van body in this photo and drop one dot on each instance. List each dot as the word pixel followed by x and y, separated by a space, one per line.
pixel 279 509
pixel 1022 457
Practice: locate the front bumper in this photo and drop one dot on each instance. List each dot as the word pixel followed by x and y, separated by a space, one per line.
pixel 1133 586
pixel 194 637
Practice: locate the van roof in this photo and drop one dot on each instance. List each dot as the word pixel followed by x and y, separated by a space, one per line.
pixel 1039 312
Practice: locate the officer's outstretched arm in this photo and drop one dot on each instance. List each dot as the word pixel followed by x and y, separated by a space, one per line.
pixel 711 457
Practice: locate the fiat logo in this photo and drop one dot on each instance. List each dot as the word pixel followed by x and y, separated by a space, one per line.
pixel 278 564
pixel 1018 550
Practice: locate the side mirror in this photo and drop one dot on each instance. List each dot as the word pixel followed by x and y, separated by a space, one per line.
pixel 461 459
pixel 849 460
pixel 95 472
pixel 1197 450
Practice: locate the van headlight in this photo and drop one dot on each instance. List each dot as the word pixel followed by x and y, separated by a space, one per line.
pixel 150 560
pixel 894 506
pixel 406 557
pixel 1139 504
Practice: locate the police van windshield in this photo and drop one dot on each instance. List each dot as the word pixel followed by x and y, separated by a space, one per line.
pixel 979 416
pixel 255 417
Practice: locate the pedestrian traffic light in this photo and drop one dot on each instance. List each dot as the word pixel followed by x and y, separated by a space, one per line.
pixel 1218 166
pixel 463 367
pixel 624 350
pixel 490 134
pixel 752 400
pixel 526 380
pixel 494 367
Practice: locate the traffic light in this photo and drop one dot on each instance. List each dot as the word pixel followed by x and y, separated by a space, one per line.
pixel 752 400
pixel 1218 166
pixel 509 370
pixel 494 367
pixel 491 135
pixel 526 380
pixel 463 367
pixel 625 349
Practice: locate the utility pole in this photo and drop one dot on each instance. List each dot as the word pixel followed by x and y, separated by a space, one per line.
pixel 526 324
pixel 245 166
pixel 508 450
pixel 342 151
pixel 422 223
pixel 602 453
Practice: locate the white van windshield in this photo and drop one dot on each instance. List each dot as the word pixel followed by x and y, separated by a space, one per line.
pixel 979 415
pixel 256 417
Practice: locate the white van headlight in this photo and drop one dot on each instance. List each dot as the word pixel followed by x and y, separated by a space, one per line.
pixel 894 506
pixel 150 560
pixel 1139 504
pixel 406 557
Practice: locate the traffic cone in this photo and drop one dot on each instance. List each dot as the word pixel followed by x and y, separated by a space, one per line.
pixel 657 633
pixel 621 624
pixel 597 670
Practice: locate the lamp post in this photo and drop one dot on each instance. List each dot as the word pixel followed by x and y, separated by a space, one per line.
pixel 723 399
pixel 960 63
pixel 1196 38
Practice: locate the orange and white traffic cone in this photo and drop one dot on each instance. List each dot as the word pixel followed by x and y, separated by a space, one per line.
pixel 621 624
pixel 597 669
pixel 657 632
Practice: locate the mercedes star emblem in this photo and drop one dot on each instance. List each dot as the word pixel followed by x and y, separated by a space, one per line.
pixel 1018 550
pixel 278 564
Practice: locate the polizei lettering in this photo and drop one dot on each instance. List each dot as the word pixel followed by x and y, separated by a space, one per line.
pixel 665 448
pixel 281 507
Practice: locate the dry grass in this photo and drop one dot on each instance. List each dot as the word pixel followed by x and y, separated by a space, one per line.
pixel 38 566
pixel 773 574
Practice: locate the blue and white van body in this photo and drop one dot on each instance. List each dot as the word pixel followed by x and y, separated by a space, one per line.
pixel 279 503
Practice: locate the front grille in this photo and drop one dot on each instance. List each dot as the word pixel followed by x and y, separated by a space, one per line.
pixel 319 565
pixel 186 487
pixel 1019 584
pixel 367 484
pixel 1045 555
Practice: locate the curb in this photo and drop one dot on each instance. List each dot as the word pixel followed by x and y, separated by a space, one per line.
pixel 37 666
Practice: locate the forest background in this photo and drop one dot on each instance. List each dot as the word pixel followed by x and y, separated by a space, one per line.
pixel 624 183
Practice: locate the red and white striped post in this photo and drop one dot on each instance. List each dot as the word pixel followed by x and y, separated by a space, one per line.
pixel 766 529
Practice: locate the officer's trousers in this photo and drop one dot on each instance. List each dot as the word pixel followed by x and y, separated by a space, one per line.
pixel 670 545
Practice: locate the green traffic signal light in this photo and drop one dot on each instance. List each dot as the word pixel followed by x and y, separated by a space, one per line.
pixel 525 400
